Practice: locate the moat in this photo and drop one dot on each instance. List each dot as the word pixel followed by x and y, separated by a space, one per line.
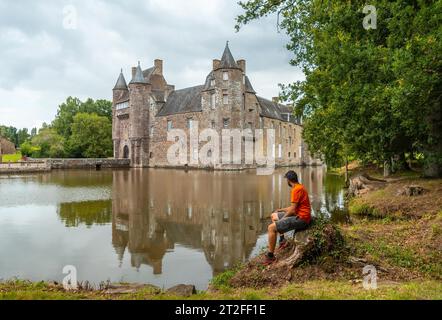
pixel 157 226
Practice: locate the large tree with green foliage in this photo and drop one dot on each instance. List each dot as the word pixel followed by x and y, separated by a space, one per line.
pixel 370 94
pixel 46 144
pixel 72 106
pixel 91 136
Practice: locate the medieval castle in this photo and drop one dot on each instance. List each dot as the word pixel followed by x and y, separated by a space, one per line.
pixel 146 109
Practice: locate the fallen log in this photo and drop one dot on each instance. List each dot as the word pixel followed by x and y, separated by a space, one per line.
pixel 363 183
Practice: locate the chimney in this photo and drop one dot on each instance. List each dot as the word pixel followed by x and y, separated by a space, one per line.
pixel 216 64
pixel 275 99
pixel 158 66
pixel 242 64
pixel 134 70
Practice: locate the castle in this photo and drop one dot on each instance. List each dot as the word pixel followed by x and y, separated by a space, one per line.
pixel 146 109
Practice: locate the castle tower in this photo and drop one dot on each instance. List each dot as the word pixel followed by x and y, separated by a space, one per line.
pixel 223 93
pixel 120 93
pixel 139 93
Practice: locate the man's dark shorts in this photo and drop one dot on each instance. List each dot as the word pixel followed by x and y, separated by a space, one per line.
pixel 284 225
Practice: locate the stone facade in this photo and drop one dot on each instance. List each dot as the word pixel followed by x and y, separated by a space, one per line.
pixel 147 108
pixel 6 146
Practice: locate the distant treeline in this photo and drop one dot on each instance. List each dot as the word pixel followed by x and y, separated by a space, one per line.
pixel 79 130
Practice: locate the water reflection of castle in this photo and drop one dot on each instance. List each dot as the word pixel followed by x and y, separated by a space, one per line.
pixel 221 213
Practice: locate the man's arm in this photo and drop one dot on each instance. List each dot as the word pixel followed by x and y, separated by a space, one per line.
pixel 289 211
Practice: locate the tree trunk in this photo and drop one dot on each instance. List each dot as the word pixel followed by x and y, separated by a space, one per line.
pixel 346 171
pixel 386 169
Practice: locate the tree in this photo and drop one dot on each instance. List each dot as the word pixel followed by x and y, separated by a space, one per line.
pixel 72 106
pixel 65 116
pixel 372 94
pixel 46 144
pixel 91 136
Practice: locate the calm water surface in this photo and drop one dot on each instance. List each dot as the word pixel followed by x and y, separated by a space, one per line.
pixel 150 226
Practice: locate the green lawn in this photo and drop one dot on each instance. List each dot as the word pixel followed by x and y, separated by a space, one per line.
pixel 11 157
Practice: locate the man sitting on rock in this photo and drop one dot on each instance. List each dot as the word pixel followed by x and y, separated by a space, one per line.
pixel 296 217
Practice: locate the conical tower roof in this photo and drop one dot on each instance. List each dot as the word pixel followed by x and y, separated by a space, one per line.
pixel 227 60
pixel 138 77
pixel 121 82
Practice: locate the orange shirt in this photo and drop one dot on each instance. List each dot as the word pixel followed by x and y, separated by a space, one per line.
pixel 300 196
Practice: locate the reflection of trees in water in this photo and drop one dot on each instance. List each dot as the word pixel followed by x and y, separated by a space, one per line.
pixel 77 178
pixel 87 212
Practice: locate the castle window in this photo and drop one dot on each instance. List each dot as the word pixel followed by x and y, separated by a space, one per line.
pixel 169 125
pixel 290 140
pixel 212 82
pixel 289 154
pixel 212 100
pixel 225 75
pixel 122 105
pixel 212 124
pixel 151 130
pixel 225 97
pixel 189 123
pixel 226 123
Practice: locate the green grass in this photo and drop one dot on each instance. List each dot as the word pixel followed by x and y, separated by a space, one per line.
pixel 317 289
pixel 11 157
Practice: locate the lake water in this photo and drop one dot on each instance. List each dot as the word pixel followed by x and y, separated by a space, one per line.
pixel 156 226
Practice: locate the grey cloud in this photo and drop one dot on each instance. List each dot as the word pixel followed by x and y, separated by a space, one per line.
pixel 47 62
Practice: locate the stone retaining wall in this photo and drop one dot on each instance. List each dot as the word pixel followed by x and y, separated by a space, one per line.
pixel 23 167
pixel 88 163
pixel 49 164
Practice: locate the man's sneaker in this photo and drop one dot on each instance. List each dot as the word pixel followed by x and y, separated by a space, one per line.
pixel 268 260
pixel 282 245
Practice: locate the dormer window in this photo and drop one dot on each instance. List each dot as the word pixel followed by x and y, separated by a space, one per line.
pixel 225 75
pixel 212 82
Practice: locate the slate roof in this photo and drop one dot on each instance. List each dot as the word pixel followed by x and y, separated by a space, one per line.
pixel 227 60
pixel 209 78
pixel 269 109
pixel 248 86
pixel 121 82
pixel 138 77
pixel 183 101
pixel 148 73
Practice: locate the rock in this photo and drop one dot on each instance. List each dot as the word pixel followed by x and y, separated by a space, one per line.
pixel 128 288
pixel 182 290
pixel 362 184
pixel 411 191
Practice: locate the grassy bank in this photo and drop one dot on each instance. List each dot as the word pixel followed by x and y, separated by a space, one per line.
pixel 318 289
pixel 11 157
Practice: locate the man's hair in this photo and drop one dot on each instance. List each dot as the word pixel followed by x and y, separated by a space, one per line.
pixel 291 176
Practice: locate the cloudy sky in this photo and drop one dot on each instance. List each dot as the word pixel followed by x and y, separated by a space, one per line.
pixel 52 49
